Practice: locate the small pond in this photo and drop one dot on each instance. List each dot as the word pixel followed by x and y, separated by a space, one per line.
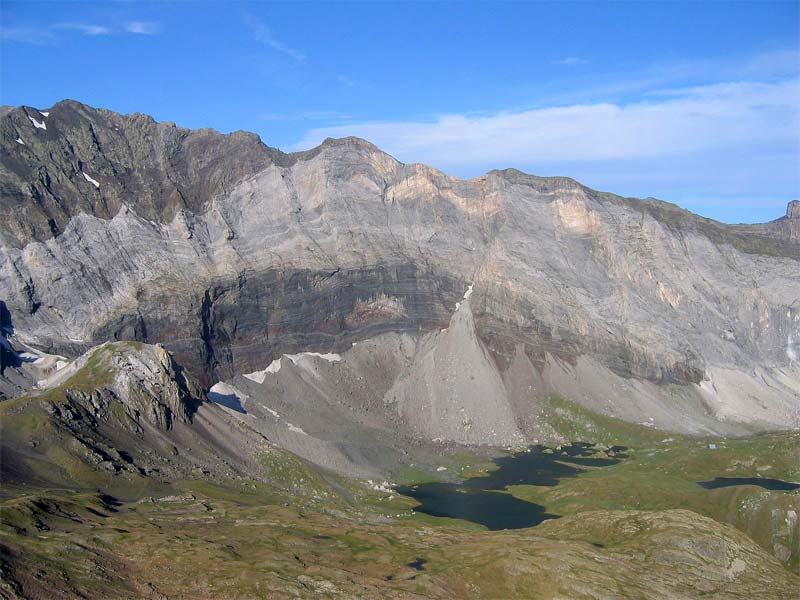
pixel 764 482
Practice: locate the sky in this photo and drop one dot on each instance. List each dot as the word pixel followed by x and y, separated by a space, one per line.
pixel 696 103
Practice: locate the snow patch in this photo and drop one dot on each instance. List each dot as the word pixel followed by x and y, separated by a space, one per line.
pixel 272 412
pixel 44 113
pixel 36 357
pixel 36 123
pixel 467 294
pixel 228 396
pixel 791 349
pixel 19 141
pixel 260 376
pixel 221 388
pixel 440 469
pixel 30 357
pixel 275 365
pixel 90 180
pixel 330 357
pixel 295 429
pixel 257 376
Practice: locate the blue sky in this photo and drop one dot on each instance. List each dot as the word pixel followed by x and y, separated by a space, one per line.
pixel 696 103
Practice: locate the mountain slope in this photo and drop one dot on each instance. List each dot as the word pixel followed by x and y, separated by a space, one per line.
pixel 121 480
pixel 635 308
pixel 123 414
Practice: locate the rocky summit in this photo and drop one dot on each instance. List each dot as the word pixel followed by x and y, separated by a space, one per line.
pixel 252 350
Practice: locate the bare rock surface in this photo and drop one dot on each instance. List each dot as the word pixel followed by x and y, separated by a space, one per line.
pixel 453 390
pixel 233 254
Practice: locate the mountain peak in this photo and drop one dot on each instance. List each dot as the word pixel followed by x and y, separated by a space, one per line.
pixel 349 141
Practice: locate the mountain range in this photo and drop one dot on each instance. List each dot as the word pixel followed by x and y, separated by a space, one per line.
pixel 180 304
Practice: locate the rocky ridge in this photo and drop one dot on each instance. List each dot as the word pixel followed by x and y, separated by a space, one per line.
pixel 124 410
pixel 232 254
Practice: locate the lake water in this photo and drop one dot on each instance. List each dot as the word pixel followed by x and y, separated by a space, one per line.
pixel 764 482
pixel 485 499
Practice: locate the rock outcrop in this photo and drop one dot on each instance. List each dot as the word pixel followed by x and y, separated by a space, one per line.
pixel 126 410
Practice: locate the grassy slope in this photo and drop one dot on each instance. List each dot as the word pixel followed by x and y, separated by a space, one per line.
pixel 307 527
pixel 208 546
pixel 662 469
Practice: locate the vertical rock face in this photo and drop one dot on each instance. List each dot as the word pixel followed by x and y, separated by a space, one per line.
pixel 231 253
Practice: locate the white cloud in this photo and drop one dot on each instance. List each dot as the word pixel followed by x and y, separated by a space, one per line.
pixel 262 34
pixel 142 27
pixel 26 35
pixel 608 83
pixel 668 123
pixel 84 28
pixel 569 61
pixel 47 33
pixel 774 63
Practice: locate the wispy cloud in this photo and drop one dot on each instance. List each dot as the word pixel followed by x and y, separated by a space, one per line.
pixel 142 27
pixel 48 34
pixel 569 61
pixel 615 85
pixel 730 116
pixel 84 28
pixel 261 33
pixel 27 35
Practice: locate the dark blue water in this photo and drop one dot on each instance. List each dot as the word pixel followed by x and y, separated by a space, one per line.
pixel 485 499
pixel 764 482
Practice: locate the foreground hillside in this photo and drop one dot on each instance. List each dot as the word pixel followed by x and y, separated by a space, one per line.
pixel 121 480
pixel 235 549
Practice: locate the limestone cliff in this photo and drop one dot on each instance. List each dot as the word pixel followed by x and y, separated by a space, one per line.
pixel 231 254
